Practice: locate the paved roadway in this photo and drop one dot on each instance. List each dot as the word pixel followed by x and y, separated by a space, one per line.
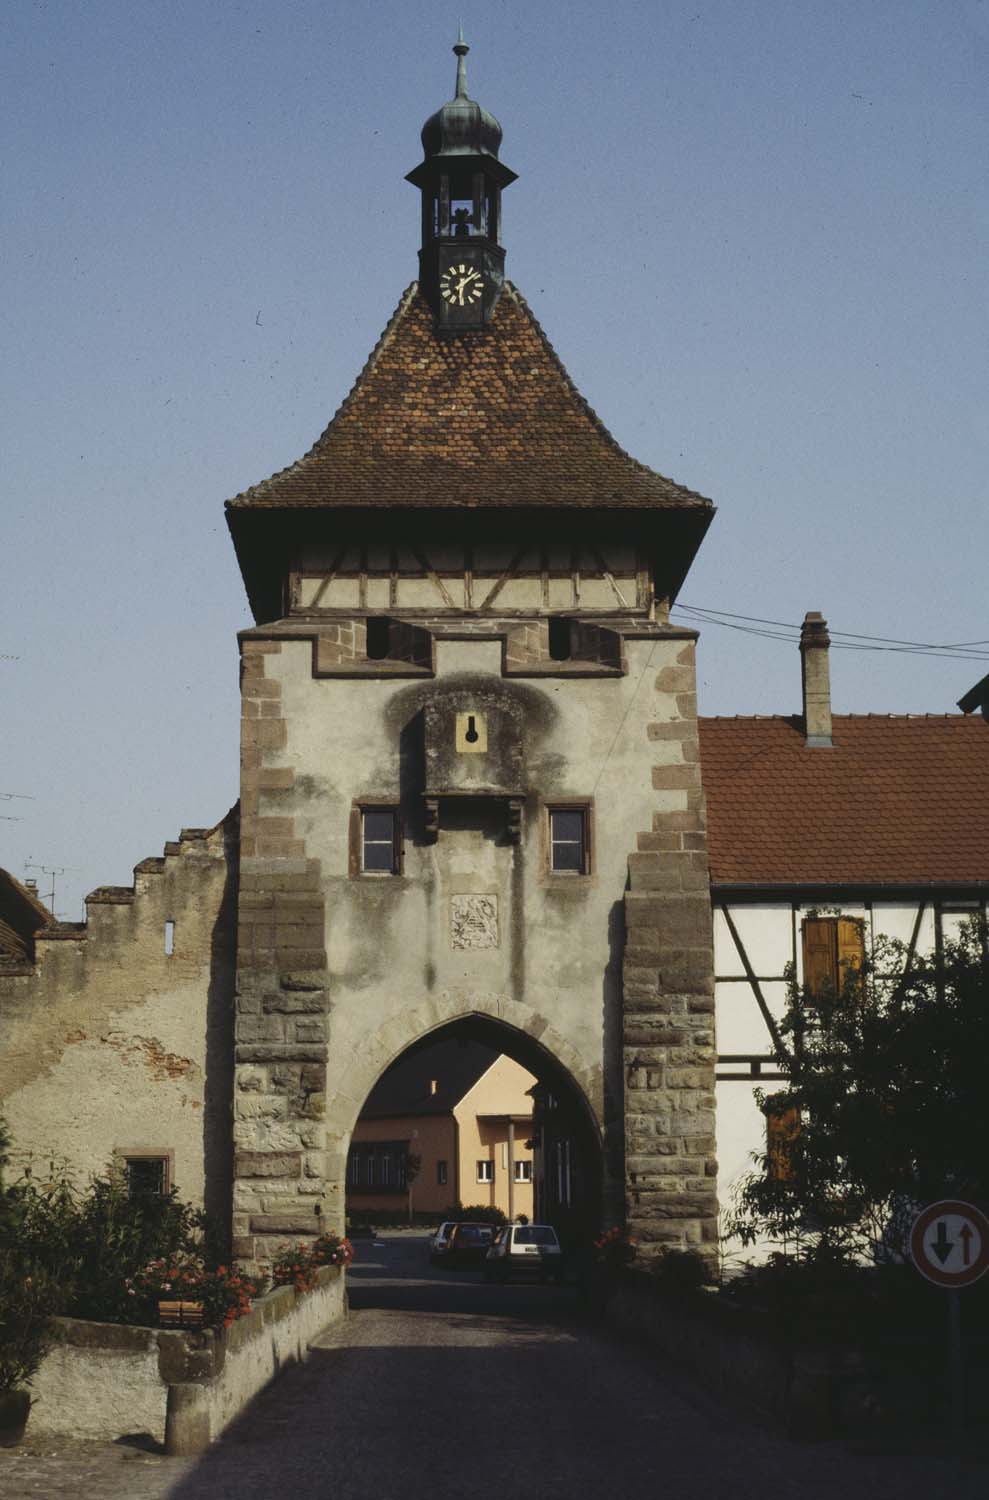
pixel 439 1387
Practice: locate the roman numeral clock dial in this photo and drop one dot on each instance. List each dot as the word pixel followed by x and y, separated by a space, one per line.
pixel 461 286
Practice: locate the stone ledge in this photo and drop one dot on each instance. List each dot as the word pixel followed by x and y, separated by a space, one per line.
pixel 184 1386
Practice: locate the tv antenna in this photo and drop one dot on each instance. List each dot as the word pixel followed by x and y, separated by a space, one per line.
pixel 53 871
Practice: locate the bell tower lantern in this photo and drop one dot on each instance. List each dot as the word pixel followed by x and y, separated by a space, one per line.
pixel 461 262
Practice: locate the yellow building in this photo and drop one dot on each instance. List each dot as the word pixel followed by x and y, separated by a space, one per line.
pixel 462 1113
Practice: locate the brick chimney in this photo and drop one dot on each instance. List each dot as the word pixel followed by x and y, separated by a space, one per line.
pixel 814 643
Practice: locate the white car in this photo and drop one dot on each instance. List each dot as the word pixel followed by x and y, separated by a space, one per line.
pixel 439 1244
pixel 524 1250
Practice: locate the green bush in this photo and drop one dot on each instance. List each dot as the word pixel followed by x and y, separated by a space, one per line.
pixel 681 1270
pixel 29 1295
pixel 474 1213
pixel 884 1080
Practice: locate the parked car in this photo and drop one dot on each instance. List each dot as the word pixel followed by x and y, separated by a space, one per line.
pixel 469 1243
pixel 524 1250
pixel 439 1244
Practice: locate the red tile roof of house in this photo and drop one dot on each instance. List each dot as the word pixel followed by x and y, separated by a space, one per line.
pixel 488 419
pixel 896 801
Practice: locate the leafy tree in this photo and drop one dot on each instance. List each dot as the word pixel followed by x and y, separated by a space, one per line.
pixel 887 1102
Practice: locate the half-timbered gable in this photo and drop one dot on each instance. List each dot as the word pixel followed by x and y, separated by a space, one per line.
pixel 879 829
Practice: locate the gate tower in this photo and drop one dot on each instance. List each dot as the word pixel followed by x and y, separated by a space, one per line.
pixel 470 790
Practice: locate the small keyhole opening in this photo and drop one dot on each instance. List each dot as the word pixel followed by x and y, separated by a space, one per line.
pixel 472 735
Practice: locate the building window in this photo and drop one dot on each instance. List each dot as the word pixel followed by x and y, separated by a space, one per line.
pixel 384 1163
pixel 568 840
pixel 354 1170
pixel 833 949
pixel 379 841
pixel 147 1175
pixel 485 1171
pixel 782 1129
pixel 523 1171
pixel 441 1174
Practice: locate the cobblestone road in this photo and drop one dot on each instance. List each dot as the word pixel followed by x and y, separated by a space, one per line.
pixel 438 1387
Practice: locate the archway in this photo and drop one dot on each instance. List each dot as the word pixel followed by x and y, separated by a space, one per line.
pixel 538 1148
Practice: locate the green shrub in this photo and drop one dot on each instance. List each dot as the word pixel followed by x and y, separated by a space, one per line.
pixel 474 1213
pixel 681 1270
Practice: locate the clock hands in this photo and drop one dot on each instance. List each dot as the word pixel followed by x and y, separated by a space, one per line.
pixel 462 285
pixel 462 290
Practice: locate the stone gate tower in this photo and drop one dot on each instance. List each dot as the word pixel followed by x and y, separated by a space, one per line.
pixel 470 792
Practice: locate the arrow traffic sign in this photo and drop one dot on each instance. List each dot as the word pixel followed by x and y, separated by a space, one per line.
pixel 949 1243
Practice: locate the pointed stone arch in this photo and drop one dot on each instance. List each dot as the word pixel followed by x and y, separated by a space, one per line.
pixel 351 1080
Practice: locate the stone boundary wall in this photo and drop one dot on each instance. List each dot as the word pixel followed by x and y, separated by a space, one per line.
pixel 812 1392
pixel 183 1387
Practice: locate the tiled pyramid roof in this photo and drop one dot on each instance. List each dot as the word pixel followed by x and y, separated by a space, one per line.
pixel 897 800
pixel 479 420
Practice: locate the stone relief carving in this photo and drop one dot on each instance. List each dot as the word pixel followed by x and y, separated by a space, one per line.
pixel 474 921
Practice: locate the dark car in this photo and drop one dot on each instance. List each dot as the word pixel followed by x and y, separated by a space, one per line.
pixel 469 1244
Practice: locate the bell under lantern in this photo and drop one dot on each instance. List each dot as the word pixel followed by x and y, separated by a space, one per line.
pixel 461 263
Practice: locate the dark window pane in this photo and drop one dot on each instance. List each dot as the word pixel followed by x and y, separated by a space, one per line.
pixel 568 857
pixel 568 826
pixel 379 827
pixel 379 857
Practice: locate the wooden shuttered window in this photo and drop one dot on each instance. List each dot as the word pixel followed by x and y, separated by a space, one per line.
pixel 832 946
pixel 782 1129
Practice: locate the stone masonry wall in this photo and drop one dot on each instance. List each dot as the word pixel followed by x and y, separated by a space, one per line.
pixel 668 1023
pixel 280 1028
pixel 116 1041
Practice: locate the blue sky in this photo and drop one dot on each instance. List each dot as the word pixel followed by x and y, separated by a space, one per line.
pixel 755 233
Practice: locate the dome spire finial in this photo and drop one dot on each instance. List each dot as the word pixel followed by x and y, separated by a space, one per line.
pixel 461 49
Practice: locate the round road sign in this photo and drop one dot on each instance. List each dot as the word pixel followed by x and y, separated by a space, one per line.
pixel 949 1243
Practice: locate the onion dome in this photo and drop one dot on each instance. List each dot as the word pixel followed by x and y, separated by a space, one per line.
pixel 461 127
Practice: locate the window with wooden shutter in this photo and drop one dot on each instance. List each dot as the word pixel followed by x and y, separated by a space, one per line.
pixel 832 946
pixel 782 1129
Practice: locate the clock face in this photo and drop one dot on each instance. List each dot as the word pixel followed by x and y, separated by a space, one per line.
pixel 461 286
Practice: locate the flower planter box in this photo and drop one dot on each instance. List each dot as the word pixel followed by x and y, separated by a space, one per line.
pixel 180 1314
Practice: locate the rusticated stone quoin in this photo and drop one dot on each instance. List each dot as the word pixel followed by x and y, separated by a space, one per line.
pixel 280 1027
pixel 668 1023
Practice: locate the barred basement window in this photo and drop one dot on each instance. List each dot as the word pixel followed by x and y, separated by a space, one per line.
pixel 147 1176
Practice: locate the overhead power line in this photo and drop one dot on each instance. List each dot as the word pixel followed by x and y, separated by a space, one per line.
pixel 841 640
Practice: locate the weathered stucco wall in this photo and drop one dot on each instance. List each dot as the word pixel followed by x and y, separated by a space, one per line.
pixel 340 972
pixel 110 1045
